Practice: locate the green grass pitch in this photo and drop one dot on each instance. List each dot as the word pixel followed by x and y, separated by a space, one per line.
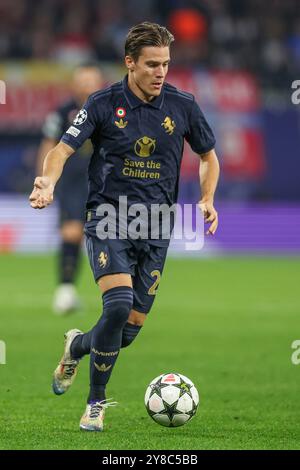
pixel 227 323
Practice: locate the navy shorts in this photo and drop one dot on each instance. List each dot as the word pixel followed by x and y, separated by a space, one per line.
pixel 141 259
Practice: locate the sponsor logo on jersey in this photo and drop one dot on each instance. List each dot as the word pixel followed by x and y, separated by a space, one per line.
pixel 73 131
pixel 144 146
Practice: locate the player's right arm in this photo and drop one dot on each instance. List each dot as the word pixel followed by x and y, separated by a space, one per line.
pixel 43 188
pixel 46 145
pixel 52 130
pixel 82 128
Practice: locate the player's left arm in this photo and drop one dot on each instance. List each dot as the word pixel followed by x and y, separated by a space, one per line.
pixel 209 171
pixel 202 141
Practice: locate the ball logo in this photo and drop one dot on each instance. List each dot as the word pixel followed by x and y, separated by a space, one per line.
pixel 170 378
pixel 145 146
pixel 80 118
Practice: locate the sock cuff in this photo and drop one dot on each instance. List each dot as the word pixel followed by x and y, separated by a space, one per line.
pixel 130 328
pixel 122 293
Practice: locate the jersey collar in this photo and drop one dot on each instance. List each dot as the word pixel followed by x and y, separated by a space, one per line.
pixel 134 101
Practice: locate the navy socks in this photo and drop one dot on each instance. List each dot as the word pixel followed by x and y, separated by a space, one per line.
pixel 129 333
pixel 106 338
pixel 103 342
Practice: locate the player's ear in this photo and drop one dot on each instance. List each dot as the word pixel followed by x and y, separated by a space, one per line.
pixel 129 62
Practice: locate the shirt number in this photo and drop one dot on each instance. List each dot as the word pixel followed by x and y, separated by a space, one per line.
pixel 156 274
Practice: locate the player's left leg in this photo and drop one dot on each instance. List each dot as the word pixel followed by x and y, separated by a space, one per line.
pixel 132 328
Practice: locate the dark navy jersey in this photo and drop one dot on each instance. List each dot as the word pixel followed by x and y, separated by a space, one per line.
pixel 56 124
pixel 138 146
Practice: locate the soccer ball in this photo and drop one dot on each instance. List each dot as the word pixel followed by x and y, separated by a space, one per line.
pixel 171 400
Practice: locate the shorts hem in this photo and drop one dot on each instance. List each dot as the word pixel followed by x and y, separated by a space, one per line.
pixel 140 309
pixel 112 272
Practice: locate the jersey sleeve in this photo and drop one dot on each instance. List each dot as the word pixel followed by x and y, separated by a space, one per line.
pixel 52 128
pixel 199 134
pixel 83 125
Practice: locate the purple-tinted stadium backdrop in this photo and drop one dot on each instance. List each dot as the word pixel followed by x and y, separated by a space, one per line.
pixel 257 147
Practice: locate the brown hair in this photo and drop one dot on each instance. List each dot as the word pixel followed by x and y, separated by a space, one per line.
pixel 146 34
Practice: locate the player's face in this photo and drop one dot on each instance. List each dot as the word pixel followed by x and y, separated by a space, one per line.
pixel 148 73
pixel 85 82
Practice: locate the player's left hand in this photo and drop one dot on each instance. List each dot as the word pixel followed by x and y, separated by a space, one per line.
pixel 210 215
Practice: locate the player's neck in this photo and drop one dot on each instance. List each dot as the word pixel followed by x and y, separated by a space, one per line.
pixel 136 90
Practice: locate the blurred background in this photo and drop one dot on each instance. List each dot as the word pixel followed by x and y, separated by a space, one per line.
pixel 238 58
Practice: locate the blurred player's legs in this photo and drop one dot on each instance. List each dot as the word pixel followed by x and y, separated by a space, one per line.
pixel 71 204
pixel 72 189
pixel 66 298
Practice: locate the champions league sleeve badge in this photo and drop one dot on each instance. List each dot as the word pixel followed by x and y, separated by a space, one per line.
pixel 81 117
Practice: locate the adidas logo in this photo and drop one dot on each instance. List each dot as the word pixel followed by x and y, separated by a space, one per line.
pixel 102 368
pixel 169 378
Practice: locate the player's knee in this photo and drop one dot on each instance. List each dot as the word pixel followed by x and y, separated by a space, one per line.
pixel 117 304
pixel 117 314
pixel 72 231
pixel 137 318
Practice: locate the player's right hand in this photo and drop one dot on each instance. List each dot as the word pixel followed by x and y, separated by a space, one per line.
pixel 42 194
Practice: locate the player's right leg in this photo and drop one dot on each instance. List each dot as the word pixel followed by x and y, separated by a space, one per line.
pixel 104 342
pixel 112 262
pixel 122 319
